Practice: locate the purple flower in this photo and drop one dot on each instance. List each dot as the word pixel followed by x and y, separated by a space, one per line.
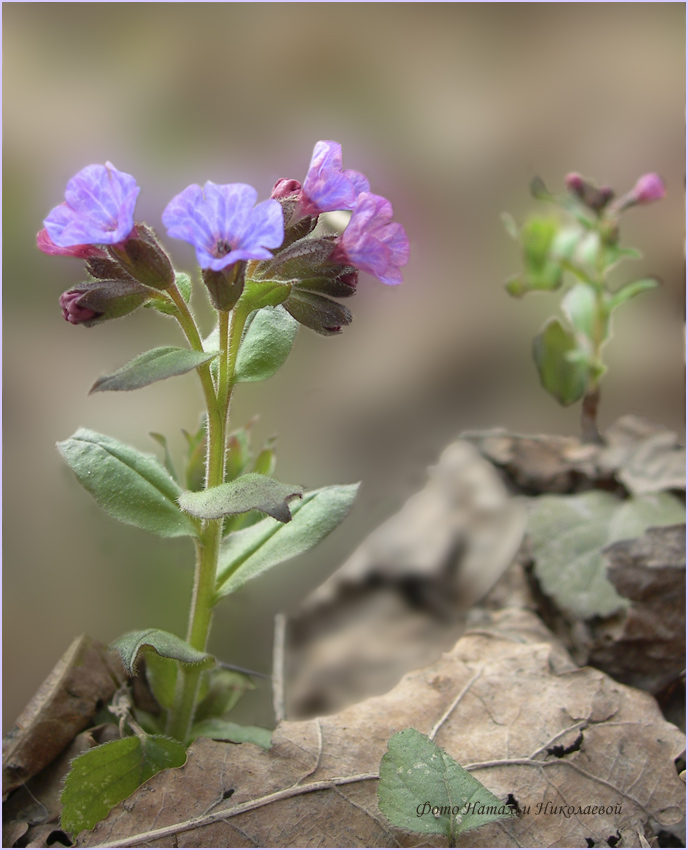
pixel 223 225
pixel 372 241
pixel 649 187
pixel 98 208
pixel 327 187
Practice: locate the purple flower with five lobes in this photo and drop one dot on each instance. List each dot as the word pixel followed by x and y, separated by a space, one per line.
pixel 223 223
pixel 372 241
pixel 327 187
pixel 98 210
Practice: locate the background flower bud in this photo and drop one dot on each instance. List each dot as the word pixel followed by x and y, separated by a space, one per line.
pixel 72 311
pixel 649 187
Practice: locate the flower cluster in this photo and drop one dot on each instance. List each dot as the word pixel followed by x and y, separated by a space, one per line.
pixel 237 241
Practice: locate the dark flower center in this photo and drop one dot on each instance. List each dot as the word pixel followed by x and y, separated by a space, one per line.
pixel 222 248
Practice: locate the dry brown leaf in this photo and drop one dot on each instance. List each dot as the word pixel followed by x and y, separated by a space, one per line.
pixel 501 703
pixel 646 645
pixel 646 458
pixel 459 534
pixel 83 680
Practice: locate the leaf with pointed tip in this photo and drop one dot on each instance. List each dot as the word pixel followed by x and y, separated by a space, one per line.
pixel 249 553
pixel 131 486
pixel 267 342
pixel 243 494
pixel 105 775
pixel 225 689
pixel 417 776
pixel 225 730
pixel 134 644
pixel 151 366
pixel 630 290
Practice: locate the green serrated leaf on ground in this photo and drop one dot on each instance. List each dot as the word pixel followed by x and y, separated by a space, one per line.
pixel 131 486
pixel 151 366
pixel 167 645
pixel 243 494
pixel 108 774
pixel 423 789
pixel 562 377
pixel 225 730
pixel 249 553
pixel 568 534
pixel 267 343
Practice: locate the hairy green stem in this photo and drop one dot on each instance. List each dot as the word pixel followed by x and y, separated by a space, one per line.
pixel 208 546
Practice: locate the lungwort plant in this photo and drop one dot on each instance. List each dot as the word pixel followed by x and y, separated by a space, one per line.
pixel 267 268
pixel 577 255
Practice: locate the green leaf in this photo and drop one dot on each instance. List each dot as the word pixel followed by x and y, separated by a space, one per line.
pixel 183 282
pixel 630 290
pixel 161 440
pixel 131 486
pixel 225 689
pixel 243 494
pixel 423 789
pixel 108 774
pixel 154 365
pixel 264 293
pixel 225 730
pixel 133 644
pixel 580 306
pixel 537 236
pixel 562 377
pixel 266 344
pixel 247 554
pixel 568 534
pixel 613 254
pixel 161 675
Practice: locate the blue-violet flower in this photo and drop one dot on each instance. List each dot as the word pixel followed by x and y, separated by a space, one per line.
pixel 327 187
pixel 223 225
pixel 98 209
pixel 372 241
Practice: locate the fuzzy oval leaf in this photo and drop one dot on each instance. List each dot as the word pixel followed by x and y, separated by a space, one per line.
pixel 225 730
pixel 266 344
pixel 562 377
pixel 246 493
pixel 416 775
pixel 580 306
pixel 253 551
pixel 568 534
pixel 131 645
pixel 131 486
pixel 108 774
pixel 151 366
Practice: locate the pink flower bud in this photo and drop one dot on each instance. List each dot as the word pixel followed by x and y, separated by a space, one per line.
pixel 575 184
pixel 649 187
pixel 285 188
pixel 72 312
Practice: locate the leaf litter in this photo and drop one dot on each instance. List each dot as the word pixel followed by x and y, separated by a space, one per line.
pixel 317 786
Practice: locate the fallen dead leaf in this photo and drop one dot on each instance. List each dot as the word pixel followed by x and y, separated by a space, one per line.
pixel 505 702
pixel 81 682
pixel 645 646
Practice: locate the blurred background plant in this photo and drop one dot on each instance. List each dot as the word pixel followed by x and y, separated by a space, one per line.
pixel 450 107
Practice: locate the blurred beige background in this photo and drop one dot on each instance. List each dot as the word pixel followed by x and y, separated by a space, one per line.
pixel 449 109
